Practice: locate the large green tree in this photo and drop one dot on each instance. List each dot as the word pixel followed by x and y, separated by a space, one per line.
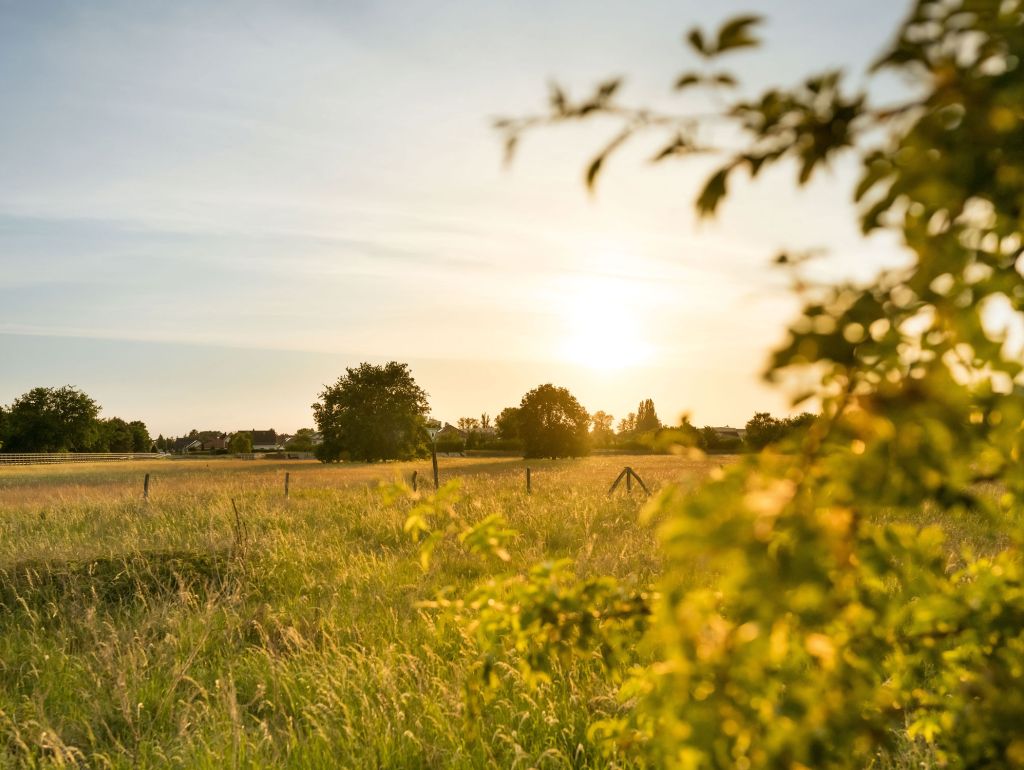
pixel 141 440
pixel 115 436
pixel 552 423
pixel 372 413
pixel 53 420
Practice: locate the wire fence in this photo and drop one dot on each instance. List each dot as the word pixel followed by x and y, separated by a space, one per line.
pixel 50 458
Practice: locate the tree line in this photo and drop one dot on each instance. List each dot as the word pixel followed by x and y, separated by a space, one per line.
pixel 65 419
pixel 380 413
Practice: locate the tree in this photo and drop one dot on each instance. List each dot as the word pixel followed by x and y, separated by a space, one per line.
pixel 646 418
pixel 836 635
pixel 52 420
pixel 627 425
pixel 161 443
pixel 141 441
pixel 601 432
pixel 553 424
pixel 240 443
pixel 3 426
pixel 302 441
pixel 507 424
pixel 372 413
pixel 762 429
pixel 470 426
pixel 114 436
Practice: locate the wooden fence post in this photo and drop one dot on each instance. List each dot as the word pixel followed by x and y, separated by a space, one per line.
pixel 415 474
pixel 617 480
pixel 529 485
pixel 640 481
pixel 287 478
pixel 629 475
pixel 145 488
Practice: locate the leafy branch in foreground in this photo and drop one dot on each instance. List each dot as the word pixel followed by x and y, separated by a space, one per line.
pixel 434 518
pixel 833 628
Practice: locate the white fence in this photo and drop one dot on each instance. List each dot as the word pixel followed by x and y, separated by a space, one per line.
pixel 45 458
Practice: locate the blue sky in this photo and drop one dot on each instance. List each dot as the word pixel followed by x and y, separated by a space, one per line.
pixel 208 209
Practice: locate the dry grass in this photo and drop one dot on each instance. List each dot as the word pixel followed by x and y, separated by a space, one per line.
pixel 136 634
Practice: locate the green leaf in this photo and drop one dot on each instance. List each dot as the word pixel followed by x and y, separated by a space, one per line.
pixel 686 80
pixel 713 192
pixel 736 33
pixel 696 41
pixel 595 165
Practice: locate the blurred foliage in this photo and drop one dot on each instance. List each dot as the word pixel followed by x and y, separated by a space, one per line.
pixel 825 635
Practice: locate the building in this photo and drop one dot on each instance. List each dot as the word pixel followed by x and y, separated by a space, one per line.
pixel 265 441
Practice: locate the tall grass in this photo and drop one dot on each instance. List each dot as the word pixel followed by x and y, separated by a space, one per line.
pixel 138 634
pixel 162 634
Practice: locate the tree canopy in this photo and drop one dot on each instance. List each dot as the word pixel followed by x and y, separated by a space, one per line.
pixel 52 420
pixel 553 424
pixel 372 413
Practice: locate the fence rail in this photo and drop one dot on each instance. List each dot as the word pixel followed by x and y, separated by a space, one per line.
pixel 46 458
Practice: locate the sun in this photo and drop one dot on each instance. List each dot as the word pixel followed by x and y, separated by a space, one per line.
pixel 603 322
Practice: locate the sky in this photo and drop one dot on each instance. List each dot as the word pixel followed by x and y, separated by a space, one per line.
pixel 209 209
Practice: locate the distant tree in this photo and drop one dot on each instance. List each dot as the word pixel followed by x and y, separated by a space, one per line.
pixel 161 443
pixel 372 413
pixel 485 422
pixel 3 426
pixel 114 436
pixel 507 424
pixel 52 420
pixel 302 441
pixel 627 424
pixel 763 429
pixel 646 417
pixel 601 432
pixel 710 440
pixel 552 423
pixel 801 420
pixel 141 441
pixel 470 427
pixel 240 443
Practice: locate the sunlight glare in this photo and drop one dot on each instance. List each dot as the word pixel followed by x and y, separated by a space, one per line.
pixel 603 328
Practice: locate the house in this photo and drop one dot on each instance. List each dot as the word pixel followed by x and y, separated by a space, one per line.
pixel 213 439
pixel 726 432
pixel 449 432
pixel 186 444
pixel 265 441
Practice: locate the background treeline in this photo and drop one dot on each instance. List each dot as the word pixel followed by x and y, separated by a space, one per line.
pixel 66 420
pixel 639 431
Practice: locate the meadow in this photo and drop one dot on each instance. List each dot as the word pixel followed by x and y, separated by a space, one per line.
pixel 223 625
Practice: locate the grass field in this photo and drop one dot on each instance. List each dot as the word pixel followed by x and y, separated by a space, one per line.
pixel 136 635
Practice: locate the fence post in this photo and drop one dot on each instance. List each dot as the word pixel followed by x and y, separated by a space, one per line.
pixel 640 481
pixel 529 485
pixel 617 480
pixel 433 458
pixel 629 480
pixel 145 488
pixel 415 474
pixel 287 478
